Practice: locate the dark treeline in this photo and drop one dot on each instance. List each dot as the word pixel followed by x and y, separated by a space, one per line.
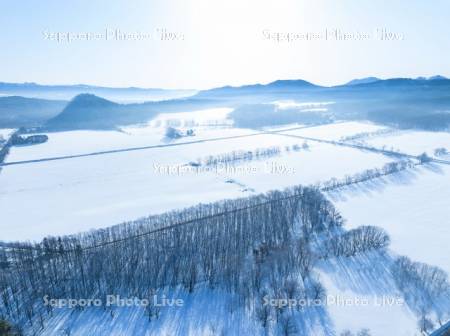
pixel 4 150
pixel 353 242
pixel 17 140
pixel 242 155
pixel 425 289
pixel 213 246
pixel 260 247
pixel 364 135
pixel 369 174
pixel 238 156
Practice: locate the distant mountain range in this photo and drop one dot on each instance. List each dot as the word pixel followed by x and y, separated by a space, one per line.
pixel 279 86
pixel 363 81
pixel 417 82
pixel 403 101
pixel 67 92
pixel 369 80
pixel 299 86
pixel 438 77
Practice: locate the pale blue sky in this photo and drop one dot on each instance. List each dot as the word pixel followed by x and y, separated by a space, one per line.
pixel 223 41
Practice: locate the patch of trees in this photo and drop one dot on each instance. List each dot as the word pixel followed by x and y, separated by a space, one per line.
pixel 173 133
pixel 281 285
pixel 239 245
pixel 425 289
pixel 4 151
pixel 424 158
pixel 236 156
pixel 257 154
pixel 18 140
pixel 6 329
pixel 439 121
pixel 355 241
pixel 261 115
pixel 440 151
pixel 362 332
pixel 365 135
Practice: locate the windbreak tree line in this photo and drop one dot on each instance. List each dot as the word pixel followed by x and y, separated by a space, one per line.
pixel 252 247
pixel 206 243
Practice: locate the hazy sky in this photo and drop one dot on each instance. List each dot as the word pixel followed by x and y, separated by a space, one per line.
pixel 221 42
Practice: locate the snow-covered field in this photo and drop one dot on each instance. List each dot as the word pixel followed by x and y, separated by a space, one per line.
pixel 337 130
pixel 210 123
pixel 83 142
pixel 412 206
pixel 413 142
pixel 319 163
pixel 78 194
pixel 204 312
pixel 361 294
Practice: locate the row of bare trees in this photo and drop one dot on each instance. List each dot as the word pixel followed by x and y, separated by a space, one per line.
pixel 387 169
pixel 206 243
pixel 5 146
pixel 355 241
pixel 426 290
pixel 264 246
pixel 239 156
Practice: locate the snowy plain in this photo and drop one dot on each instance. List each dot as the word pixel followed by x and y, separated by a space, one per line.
pixel 413 142
pixel 337 130
pixel 78 194
pixel 361 294
pixel 83 193
pixel 412 206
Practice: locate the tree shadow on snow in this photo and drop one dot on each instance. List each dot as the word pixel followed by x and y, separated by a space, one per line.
pixel 378 185
pixel 365 274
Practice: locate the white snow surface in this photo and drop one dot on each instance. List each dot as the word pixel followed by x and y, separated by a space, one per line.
pixel 337 130
pixel 204 312
pixel 361 294
pixel 78 194
pixel 412 206
pixel 413 142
